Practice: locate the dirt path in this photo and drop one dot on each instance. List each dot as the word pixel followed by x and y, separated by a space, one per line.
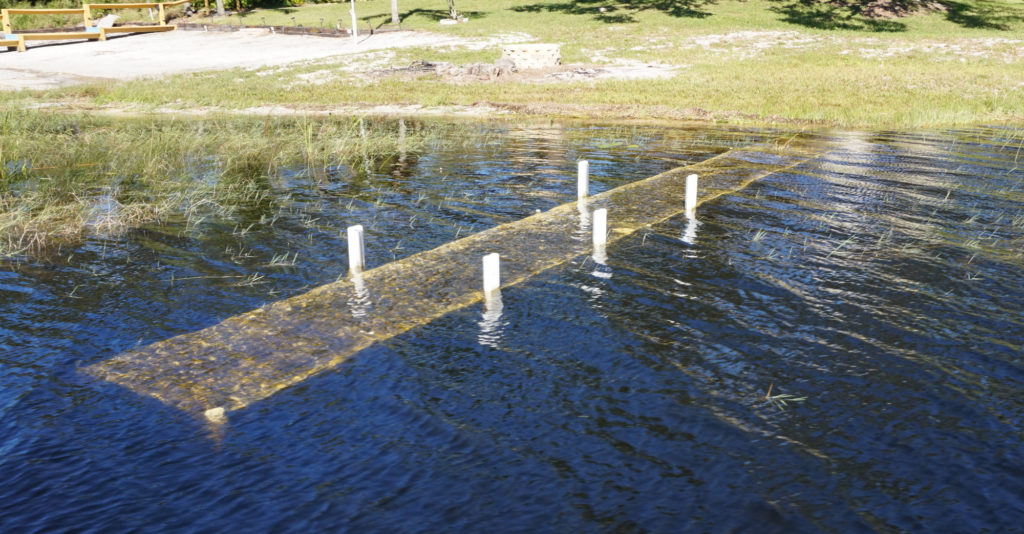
pixel 46 66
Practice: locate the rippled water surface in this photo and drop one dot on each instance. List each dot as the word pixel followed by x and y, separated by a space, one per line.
pixel 837 347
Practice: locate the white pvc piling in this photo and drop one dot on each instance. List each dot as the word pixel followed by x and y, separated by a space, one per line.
pixel 492 272
pixel 691 196
pixel 600 226
pixel 583 179
pixel 356 249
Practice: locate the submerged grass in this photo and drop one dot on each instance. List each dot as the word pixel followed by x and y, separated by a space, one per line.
pixel 63 176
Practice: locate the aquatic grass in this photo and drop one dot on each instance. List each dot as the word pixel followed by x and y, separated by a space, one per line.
pixel 65 176
pixel 282 260
pixel 781 400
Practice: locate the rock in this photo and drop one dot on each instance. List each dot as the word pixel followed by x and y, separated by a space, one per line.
pixel 502 67
pixel 443 68
pixel 482 70
pixel 505 66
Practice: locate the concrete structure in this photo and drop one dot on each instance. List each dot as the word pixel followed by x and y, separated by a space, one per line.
pixel 533 56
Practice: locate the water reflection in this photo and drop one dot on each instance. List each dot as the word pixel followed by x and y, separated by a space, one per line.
pixel 690 231
pixel 359 303
pixel 216 421
pixel 491 325
pixel 583 229
pixel 600 257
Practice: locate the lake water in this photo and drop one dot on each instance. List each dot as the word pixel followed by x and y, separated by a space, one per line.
pixel 837 347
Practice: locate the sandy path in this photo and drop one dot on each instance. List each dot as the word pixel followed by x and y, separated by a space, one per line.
pixel 158 54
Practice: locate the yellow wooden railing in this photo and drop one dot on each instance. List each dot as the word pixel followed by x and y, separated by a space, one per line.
pixel 16 41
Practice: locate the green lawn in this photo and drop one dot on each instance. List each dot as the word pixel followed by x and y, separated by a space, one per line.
pixel 752 61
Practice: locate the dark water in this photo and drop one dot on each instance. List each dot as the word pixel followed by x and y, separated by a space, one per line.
pixel 881 283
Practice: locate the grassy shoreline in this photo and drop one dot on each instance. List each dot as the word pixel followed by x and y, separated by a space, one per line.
pixel 738 62
pixel 83 160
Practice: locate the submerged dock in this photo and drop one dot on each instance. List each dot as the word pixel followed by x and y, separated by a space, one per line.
pixel 248 357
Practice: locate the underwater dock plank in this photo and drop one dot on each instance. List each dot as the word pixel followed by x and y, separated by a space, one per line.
pixel 248 357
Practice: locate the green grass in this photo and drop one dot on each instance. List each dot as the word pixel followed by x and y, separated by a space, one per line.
pixel 630 18
pixel 750 62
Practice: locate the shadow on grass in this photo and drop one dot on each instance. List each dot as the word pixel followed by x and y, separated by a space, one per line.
pixel 832 15
pixel 612 11
pixel 882 15
pixel 983 14
pixel 280 6
pixel 439 14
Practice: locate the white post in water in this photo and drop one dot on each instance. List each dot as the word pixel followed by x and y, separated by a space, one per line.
pixel 691 196
pixel 492 272
pixel 583 179
pixel 355 29
pixel 600 227
pixel 356 249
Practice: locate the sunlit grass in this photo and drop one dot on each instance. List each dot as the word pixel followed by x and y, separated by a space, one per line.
pixel 744 62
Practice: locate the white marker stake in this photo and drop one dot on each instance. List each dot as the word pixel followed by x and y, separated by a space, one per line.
pixel 583 179
pixel 691 196
pixel 600 227
pixel 356 249
pixel 492 272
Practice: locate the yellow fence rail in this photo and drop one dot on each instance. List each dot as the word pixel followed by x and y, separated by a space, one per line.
pixel 16 41
pixel 12 42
